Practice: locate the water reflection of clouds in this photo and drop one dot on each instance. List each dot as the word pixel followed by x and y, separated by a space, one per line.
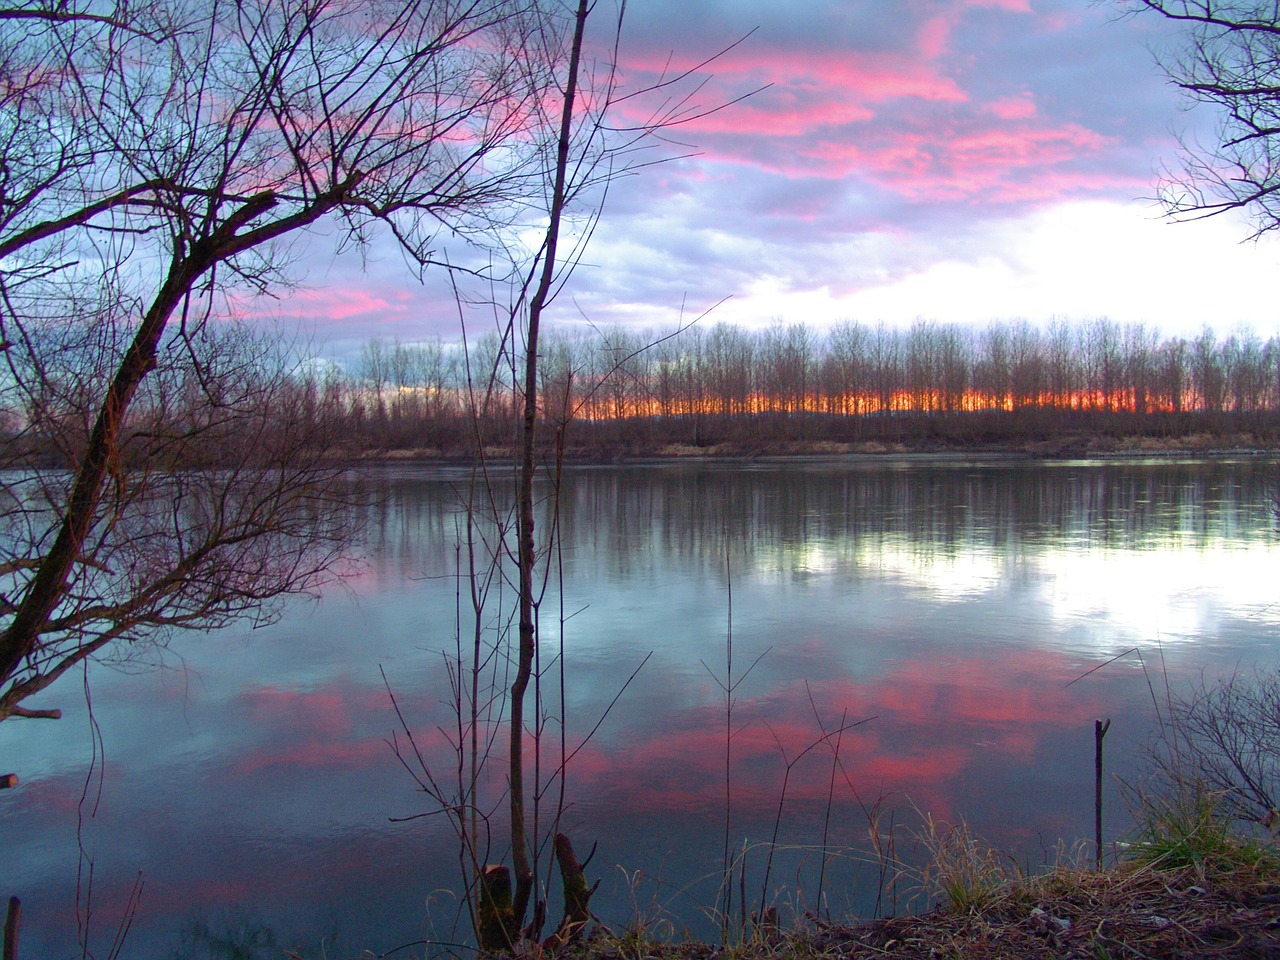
pixel 945 576
pixel 953 606
pixel 1174 594
pixel 933 718
pixel 1178 592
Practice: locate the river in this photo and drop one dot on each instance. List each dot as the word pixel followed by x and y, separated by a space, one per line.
pixel 939 610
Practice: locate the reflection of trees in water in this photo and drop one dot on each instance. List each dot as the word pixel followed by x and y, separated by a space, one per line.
pixel 628 520
pixel 688 514
pixel 413 522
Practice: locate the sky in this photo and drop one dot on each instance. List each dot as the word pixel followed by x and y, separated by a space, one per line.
pixel 961 161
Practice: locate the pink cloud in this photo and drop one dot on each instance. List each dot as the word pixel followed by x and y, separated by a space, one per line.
pixel 1019 107
pixel 808 92
pixel 1025 146
pixel 896 119
pixel 325 304
pixel 1013 6
pixel 339 303
pixel 978 164
pixel 933 35
pixel 788 115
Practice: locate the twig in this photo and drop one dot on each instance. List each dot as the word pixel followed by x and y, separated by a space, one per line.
pixel 1094 670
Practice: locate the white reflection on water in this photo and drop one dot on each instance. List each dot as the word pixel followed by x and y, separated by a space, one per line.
pixel 1175 595
pixel 955 576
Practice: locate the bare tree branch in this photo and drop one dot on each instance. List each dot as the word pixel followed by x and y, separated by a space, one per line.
pixel 1230 61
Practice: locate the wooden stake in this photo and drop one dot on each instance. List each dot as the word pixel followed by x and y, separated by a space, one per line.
pixel 1099 731
pixel 11 921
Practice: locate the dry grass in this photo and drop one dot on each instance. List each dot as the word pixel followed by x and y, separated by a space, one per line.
pixel 962 871
pixel 1221 901
pixel 1134 911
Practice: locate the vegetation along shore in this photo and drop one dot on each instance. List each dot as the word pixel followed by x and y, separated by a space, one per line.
pixel 1225 906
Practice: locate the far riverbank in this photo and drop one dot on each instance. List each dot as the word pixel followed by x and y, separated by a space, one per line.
pixel 1066 447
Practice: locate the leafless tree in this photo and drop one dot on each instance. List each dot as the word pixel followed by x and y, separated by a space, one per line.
pixel 1027 376
pixel 1247 371
pixel 1104 366
pixel 785 359
pixel 1172 375
pixel 1230 60
pixel 993 373
pixel 590 151
pixel 1064 366
pixel 730 356
pixel 1207 376
pixel 844 370
pixel 922 373
pixel 374 375
pixel 585 150
pixel 885 362
pixel 162 163
pixel 1138 347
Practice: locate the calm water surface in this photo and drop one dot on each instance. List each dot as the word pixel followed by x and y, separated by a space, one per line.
pixel 246 776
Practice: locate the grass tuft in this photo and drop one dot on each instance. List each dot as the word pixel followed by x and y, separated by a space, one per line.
pixel 1188 828
pixel 963 872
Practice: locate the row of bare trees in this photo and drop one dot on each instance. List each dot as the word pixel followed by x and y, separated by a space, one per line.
pixel 418 395
pixel 647 385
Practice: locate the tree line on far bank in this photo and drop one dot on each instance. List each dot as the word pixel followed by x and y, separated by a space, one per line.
pixel 704 386
pixel 623 390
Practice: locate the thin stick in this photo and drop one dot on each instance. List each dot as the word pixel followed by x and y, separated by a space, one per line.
pixel 726 869
pixel 1099 731
pixel 826 820
pixel 782 796
pixel 1104 664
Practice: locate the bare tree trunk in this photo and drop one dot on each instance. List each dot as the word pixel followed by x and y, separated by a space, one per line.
pixel 48 587
pixel 524 877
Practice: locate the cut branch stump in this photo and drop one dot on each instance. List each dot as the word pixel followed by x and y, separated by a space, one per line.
pixel 495 922
pixel 577 895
